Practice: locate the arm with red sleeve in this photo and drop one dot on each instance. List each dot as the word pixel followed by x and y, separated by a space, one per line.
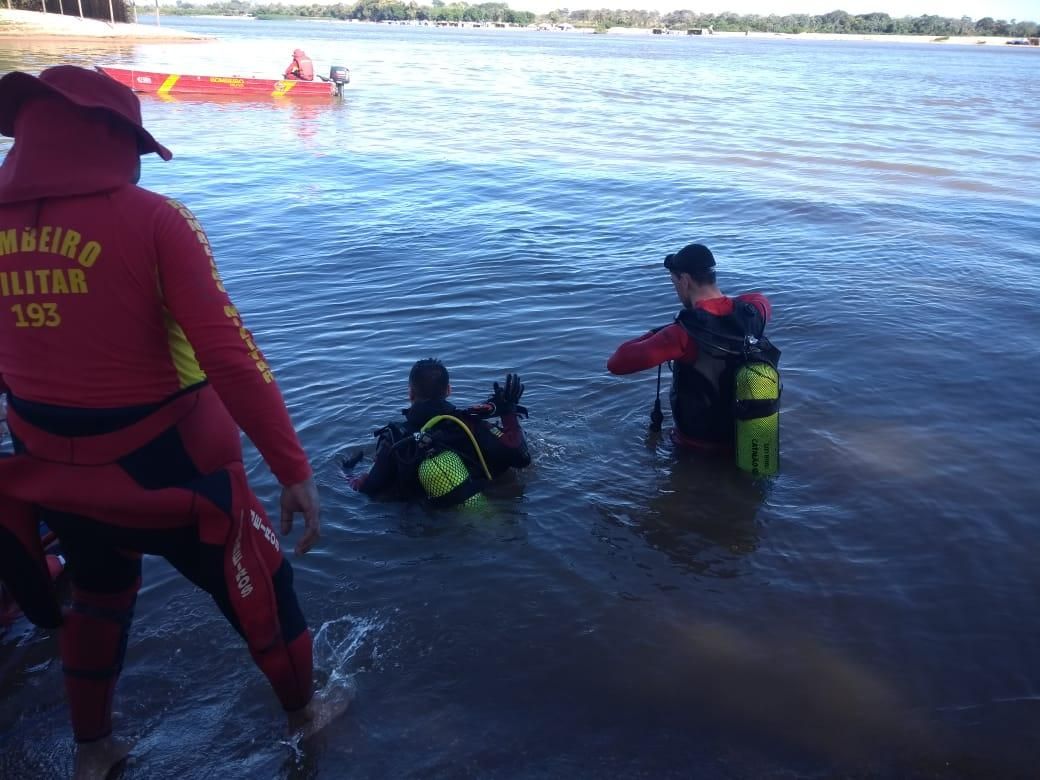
pixel 504 446
pixel 224 348
pixel 656 347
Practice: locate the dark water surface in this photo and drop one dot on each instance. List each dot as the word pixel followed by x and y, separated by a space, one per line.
pixel 503 200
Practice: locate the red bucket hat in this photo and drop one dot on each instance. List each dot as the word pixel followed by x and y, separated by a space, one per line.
pixel 81 87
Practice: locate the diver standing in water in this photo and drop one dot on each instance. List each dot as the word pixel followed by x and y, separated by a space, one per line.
pixel 441 452
pixel 725 386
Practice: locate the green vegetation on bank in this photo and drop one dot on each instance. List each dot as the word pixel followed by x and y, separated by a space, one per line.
pixel 833 22
pixel 363 10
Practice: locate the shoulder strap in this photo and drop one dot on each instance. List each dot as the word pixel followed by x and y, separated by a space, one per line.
pixel 739 334
pixel 720 335
pixel 392 433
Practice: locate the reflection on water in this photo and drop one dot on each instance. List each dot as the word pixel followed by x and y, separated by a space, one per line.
pixel 783 686
pixel 503 200
pixel 36 55
pixel 696 509
pixel 303 113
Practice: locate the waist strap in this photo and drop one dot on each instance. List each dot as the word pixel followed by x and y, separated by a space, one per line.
pixel 107 447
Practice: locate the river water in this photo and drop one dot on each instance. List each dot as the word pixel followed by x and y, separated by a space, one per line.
pixel 503 200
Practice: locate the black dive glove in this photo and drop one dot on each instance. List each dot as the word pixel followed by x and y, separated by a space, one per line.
pixel 504 400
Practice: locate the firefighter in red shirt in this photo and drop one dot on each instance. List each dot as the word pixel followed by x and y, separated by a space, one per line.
pixel 129 374
pixel 700 400
pixel 301 67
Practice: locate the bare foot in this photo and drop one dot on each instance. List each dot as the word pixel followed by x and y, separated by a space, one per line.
pixel 325 707
pixel 94 760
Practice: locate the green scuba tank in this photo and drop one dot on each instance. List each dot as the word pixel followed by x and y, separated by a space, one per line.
pixel 444 477
pixel 757 418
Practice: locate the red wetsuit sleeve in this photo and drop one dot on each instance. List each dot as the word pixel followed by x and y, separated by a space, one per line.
pixel 512 433
pixel 653 349
pixel 508 449
pixel 224 348
pixel 289 70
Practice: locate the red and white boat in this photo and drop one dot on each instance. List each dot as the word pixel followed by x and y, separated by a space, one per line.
pixel 187 84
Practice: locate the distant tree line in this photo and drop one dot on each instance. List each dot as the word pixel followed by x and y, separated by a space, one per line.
pixel 366 10
pixel 833 22
pixel 841 22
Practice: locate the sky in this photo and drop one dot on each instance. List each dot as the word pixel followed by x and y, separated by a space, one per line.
pixel 976 9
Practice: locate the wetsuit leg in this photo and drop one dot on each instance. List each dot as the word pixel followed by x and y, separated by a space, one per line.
pixel 187 483
pixel 105 582
pixel 239 560
pixel 256 587
pixel 268 615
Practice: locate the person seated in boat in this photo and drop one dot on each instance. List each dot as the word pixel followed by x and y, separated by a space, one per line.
pixel 301 67
pixel 442 452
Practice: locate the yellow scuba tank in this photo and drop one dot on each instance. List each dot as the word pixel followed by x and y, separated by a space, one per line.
pixel 444 475
pixel 757 418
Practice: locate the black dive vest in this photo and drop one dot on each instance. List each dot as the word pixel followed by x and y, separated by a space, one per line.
pixel 702 394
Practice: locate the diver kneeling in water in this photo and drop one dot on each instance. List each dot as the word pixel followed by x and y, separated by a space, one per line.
pixel 444 453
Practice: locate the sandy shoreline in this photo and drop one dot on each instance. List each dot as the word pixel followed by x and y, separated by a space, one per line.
pixel 33 25
pixel 973 40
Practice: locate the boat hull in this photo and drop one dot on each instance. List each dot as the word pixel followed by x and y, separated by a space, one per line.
pixel 178 84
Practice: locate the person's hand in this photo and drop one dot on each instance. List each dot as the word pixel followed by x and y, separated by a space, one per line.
pixel 351 461
pixel 302 498
pixel 505 400
pixel 356 481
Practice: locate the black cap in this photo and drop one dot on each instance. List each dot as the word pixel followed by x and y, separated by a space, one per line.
pixel 691 259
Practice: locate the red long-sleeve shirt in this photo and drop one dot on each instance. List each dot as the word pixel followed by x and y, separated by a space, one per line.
pixel 109 294
pixel 301 67
pixel 673 342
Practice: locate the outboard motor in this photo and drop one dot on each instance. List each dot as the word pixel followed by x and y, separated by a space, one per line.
pixel 339 76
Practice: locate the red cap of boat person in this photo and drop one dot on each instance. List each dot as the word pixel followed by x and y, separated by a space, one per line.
pixel 81 87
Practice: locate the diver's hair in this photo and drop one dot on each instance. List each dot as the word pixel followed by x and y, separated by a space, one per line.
pixel 702 278
pixel 429 379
